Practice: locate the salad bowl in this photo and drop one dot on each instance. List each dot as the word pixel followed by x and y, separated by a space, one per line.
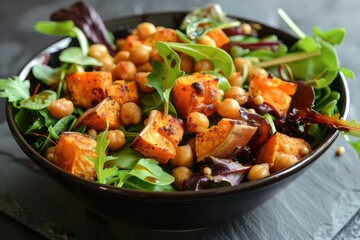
pixel 178 210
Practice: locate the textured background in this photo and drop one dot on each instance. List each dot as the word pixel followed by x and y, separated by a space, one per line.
pixel 323 203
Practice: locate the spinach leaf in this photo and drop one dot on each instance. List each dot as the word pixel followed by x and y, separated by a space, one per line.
pixel 152 101
pixel 220 58
pixel 75 55
pixel 39 101
pixel 126 158
pixel 44 73
pixel 14 89
pixel 147 170
pixel 136 183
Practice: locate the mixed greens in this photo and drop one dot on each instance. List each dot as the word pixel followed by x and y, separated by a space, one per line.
pixel 311 64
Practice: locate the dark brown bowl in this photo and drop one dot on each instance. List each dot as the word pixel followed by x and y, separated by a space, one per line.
pixel 173 210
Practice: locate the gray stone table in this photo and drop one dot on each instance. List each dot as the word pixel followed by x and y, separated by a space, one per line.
pixel 323 203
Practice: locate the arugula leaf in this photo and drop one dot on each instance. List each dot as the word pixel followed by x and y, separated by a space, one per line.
pixel 152 101
pixel 75 55
pixel 220 58
pixel 164 75
pixel 101 146
pixel 14 89
pixel 126 158
pixel 39 101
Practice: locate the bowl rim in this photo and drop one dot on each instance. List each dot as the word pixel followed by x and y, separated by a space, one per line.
pixel 176 195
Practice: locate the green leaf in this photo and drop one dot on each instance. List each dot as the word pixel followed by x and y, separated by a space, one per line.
pixel 14 89
pixel 164 75
pixel 126 158
pixel 347 72
pixel 147 170
pixel 39 101
pixel 220 58
pixel 101 146
pixel 136 183
pixel 76 55
pixel 333 36
pixel 44 73
pixel 56 28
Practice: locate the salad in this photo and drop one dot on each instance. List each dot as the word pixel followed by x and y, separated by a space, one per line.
pixel 209 104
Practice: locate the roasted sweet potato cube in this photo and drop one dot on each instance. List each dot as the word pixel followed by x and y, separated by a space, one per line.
pixel 219 37
pixel 160 137
pixel 276 92
pixel 123 91
pixel 108 110
pixel 87 89
pixel 72 152
pixel 165 35
pixel 280 146
pixel 223 139
pixel 196 93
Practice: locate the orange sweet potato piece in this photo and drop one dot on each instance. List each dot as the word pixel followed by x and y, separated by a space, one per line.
pixel 196 93
pixel 276 92
pixel 87 89
pixel 72 152
pixel 219 37
pixel 282 145
pixel 223 139
pixel 164 35
pixel 160 137
pixel 123 91
pixel 106 111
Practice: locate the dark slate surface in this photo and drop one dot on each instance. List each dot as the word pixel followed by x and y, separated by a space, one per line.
pixel 323 203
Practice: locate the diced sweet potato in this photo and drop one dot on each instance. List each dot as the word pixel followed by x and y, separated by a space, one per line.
pixel 276 92
pixel 219 37
pixel 282 146
pixel 196 93
pixel 165 35
pixel 87 89
pixel 97 117
pixel 223 139
pixel 72 152
pixel 123 91
pixel 160 137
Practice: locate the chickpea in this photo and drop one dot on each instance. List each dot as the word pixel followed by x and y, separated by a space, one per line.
pixel 197 122
pixel 92 133
pixel 146 67
pixel 236 79
pixel 260 72
pixel 108 67
pixel 207 171
pixel 191 143
pixel 125 70
pixel 120 43
pixel 246 28
pixel 258 171
pixel 237 93
pixel 187 63
pixel 251 110
pixel 240 62
pixel 140 54
pixel 122 56
pixel 203 65
pixel 154 55
pixel 339 151
pixel 61 108
pixel 141 79
pixel 229 108
pixel 206 40
pixel 98 51
pixel 305 150
pixel 184 156
pixel 258 100
pixel 117 139
pixel 130 113
pixel 145 29
pixel 181 174
pixel 283 161
pixel 50 154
